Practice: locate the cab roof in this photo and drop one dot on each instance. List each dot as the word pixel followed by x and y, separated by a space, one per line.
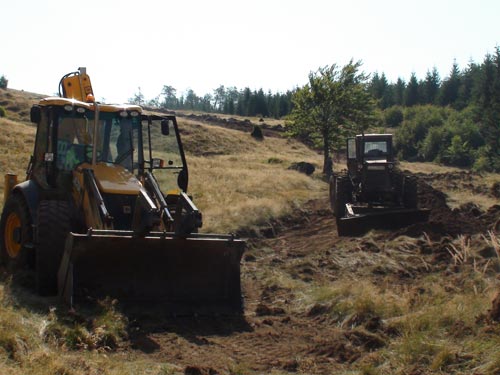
pixel 374 135
pixel 57 101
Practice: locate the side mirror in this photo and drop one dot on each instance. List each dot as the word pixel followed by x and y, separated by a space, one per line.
pixel 35 114
pixel 165 128
pixel 158 163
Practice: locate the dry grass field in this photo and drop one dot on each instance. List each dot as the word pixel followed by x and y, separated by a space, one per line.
pixel 414 301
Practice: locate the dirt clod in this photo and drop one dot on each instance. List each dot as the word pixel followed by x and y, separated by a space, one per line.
pixel 195 370
pixel 263 310
pixel 494 313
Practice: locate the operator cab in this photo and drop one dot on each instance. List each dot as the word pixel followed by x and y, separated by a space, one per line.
pixel 370 163
pixel 369 150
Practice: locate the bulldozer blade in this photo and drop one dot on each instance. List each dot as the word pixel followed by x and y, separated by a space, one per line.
pixel 357 225
pixel 195 275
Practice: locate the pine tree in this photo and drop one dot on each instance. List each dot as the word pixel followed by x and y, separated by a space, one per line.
pixel 450 87
pixel 468 82
pixel 412 92
pixel 399 92
pixel 219 98
pixel 138 98
pixel 489 104
pixel 261 104
pixel 169 97
pixel 430 87
pixel 380 89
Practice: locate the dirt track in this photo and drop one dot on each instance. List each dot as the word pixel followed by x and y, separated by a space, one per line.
pixel 272 334
pixel 281 328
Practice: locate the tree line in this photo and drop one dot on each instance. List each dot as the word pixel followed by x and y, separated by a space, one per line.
pixel 227 100
pixel 458 90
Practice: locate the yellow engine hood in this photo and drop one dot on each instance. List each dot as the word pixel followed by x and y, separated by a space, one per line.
pixel 114 179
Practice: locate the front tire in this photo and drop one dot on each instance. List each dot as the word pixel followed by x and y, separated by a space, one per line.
pixel 333 194
pixel 53 229
pixel 342 195
pixel 16 231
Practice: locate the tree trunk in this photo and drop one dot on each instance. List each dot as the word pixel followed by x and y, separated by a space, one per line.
pixel 327 160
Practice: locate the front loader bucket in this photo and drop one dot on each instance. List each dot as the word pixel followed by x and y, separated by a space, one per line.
pixel 359 224
pixel 196 275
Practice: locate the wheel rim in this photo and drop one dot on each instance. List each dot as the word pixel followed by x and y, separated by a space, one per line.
pixel 12 245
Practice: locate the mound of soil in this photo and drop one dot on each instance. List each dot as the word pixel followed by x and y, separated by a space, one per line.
pixel 468 219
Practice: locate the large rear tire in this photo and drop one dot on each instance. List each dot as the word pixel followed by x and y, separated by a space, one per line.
pixel 16 233
pixel 53 229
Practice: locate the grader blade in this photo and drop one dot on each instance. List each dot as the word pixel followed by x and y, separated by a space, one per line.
pixel 357 224
pixel 195 275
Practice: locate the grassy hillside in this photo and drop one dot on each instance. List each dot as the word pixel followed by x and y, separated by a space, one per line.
pixel 245 182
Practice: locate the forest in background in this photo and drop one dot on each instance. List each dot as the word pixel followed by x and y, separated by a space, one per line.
pixel 454 121
pixel 460 89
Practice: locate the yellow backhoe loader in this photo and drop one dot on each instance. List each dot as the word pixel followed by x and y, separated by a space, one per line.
pixel 104 210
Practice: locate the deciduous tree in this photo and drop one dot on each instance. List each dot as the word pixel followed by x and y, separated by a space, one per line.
pixel 336 102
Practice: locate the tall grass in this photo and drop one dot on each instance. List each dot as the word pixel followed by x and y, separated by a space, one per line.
pixel 37 342
pixel 243 185
pixel 16 146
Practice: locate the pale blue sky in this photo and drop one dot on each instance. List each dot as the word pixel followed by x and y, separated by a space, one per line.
pixel 201 44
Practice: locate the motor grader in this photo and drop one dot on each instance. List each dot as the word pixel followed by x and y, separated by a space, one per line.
pixel 373 192
pixel 104 210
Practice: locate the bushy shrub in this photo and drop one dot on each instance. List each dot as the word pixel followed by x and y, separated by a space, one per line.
pixel 432 145
pixel 482 164
pixel 430 133
pixel 393 117
pixel 486 160
pixel 414 129
pixel 3 112
pixel 3 82
pixel 458 153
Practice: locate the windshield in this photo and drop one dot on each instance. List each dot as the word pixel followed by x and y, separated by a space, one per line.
pixel 375 148
pixel 133 141
pixel 163 158
pixel 117 139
